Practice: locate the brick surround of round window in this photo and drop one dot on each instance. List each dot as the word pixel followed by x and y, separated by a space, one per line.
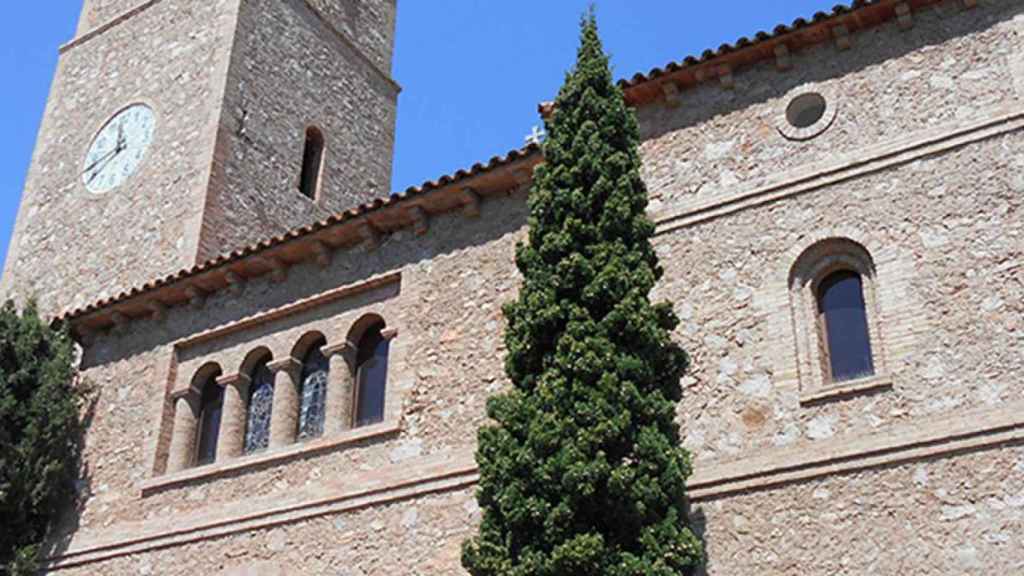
pixel 807 114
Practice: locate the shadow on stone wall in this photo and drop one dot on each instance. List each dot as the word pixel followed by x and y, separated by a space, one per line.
pixel 70 521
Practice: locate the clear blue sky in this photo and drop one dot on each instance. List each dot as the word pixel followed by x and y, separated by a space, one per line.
pixel 472 71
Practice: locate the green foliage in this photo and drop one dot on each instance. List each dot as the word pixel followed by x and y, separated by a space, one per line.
pixel 583 472
pixel 39 434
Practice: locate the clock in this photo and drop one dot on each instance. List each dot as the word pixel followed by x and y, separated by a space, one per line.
pixel 117 151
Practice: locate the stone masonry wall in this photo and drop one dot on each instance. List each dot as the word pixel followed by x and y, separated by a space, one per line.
pixel 959 515
pixel 951 224
pixel 951 65
pixel 453 283
pixel 99 12
pixel 938 206
pixel 290 71
pixel 72 247
pixel 370 24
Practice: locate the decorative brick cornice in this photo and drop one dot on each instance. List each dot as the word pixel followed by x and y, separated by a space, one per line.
pixel 347 230
pixel 115 21
pixel 666 84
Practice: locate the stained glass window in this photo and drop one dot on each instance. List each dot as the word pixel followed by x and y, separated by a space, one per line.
pixel 261 400
pixel 371 376
pixel 315 369
pixel 210 410
pixel 841 305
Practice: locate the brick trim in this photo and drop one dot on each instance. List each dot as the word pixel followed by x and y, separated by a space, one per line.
pixel 991 123
pixel 292 451
pixel 115 21
pixel 926 438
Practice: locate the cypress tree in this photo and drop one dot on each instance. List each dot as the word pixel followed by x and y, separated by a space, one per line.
pixel 39 434
pixel 582 471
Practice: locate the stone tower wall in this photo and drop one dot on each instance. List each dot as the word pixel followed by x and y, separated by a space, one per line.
pixel 297 72
pixel 72 247
pixel 369 24
pixel 233 85
pixel 96 13
pixel 919 471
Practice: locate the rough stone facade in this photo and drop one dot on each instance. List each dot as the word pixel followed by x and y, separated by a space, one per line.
pixel 234 85
pixel 919 469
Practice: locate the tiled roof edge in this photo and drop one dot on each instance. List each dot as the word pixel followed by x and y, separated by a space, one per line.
pixel 363 210
pixel 634 88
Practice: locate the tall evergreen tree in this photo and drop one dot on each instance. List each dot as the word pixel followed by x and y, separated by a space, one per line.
pixel 583 472
pixel 39 434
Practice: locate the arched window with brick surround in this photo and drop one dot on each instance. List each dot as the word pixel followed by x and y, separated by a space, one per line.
pixel 371 374
pixel 839 333
pixel 313 387
pixel 842 314
pixel 211 408
pixel 259 406
pixel 312 163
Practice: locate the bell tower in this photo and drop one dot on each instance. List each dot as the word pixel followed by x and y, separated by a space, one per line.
pixel 179 130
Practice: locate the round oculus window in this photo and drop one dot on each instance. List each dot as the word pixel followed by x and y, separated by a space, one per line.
pixel 806 110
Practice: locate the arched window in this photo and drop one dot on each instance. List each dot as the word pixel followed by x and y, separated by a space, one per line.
pixel 261 401
pixel 315 369
pixel 211 406
pixel 371 376
pixel 844 326
pixel 312 163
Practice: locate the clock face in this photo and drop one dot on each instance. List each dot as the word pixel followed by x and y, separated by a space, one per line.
pixel 119 148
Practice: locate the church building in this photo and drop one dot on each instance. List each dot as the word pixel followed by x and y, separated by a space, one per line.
pixel 290 363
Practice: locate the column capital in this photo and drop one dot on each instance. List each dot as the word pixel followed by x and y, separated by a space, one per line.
pixel 184 393
pixel 238 380
pixel 284 364
pixel 346 350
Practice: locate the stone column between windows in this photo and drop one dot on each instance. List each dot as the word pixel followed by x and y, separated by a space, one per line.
pixel 231 438
pixel 183 438
pixel 340 387
pixel 284 416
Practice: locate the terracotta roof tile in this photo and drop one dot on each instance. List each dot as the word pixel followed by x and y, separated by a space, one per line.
pixel 334 219
pixel 744 42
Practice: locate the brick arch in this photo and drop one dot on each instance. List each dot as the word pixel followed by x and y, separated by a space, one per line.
pixel 306 343
pixel 867 241
pixel 202 376
pixel 828 254
pixel 253 358
pixel 359 328
pixel 807 264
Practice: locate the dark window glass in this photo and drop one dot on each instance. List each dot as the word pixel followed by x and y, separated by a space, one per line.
pixel 211 408
pixel 315 369
pixel 261 401
pixel 312 158
pixel 372 376
pixel 841 304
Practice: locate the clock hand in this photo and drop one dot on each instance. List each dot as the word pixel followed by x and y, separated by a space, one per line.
pixel 109 158
pixel 101 159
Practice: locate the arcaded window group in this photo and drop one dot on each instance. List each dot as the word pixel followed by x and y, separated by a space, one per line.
pixel 319 390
